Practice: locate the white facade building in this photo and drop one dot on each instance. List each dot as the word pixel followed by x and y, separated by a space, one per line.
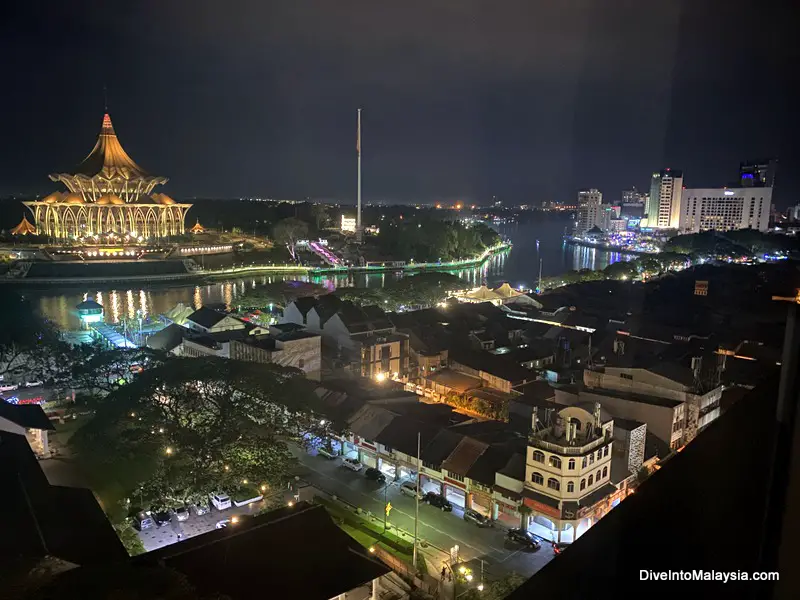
pixel 590 210
pixel 723 209
pixel 348 224
pixel 663 207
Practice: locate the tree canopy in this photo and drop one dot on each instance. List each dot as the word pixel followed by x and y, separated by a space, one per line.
pixel 428 240
pixel 416 291
pixel 288 232
pixel 186 427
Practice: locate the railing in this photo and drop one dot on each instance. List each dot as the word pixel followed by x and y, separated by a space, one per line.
pixel 566 450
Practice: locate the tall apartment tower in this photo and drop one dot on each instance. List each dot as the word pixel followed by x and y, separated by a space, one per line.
pixel 589 210
pixel 663 208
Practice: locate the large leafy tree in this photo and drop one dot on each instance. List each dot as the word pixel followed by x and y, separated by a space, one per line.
pixel 30 346
pixel 289 232
pixel 189 426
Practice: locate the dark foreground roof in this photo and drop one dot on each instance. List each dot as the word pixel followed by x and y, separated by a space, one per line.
pixel 704 485
pixel 29 416
pixel 42 520
pixel 295 552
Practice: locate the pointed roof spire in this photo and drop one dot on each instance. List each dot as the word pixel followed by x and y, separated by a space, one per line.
pixel 24 227
pixel 108 128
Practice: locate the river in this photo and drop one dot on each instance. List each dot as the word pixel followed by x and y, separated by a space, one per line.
pixel 519 267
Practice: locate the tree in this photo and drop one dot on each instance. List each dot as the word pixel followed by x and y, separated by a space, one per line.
pixel 184 428
pixel 289 232
pixel 30 346
pixel 320 214
pixel 99 370
pixel 498 589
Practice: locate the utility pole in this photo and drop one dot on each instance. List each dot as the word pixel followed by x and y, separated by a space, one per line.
pixel 416 503
pixel 539 289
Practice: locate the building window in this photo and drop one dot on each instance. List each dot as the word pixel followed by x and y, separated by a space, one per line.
pixel 591 479
pixel 571 464
pixel 537 478
pixel 600 454
pixel 605 472
pixel 591 459
pixel 538 456
pixel 626 376
pixel 598 475
pixel 555 462
pixel 605 450
pixel 570 487
pixel 583 484
pixel 301 363
pixel 583 465
pixel 553 484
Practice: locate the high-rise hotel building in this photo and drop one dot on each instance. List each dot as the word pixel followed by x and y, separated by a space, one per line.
pixel 725 209
pixel 663 207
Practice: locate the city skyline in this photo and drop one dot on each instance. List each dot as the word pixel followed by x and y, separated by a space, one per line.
pixel 526 103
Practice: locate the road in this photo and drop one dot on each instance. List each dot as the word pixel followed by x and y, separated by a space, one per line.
pixel 436 527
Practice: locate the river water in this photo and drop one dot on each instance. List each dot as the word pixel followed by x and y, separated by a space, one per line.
pixel 520 267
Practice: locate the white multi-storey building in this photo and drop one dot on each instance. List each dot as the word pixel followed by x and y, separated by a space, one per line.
pixel 723 209
pixel 567 473
pixel 590 210
pixel 663 207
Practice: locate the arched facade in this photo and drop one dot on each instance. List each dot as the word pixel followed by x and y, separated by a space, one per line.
pixel 108 195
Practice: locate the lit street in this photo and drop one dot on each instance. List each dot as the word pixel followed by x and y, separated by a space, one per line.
pixel 437 527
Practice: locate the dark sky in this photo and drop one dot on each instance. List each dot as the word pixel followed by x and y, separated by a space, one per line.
pixel 528 100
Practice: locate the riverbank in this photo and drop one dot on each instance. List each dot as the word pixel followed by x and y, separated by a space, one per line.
pixel 605 247
pixel 211 275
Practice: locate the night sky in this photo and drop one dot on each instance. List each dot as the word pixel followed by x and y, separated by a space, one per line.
pixel 526 100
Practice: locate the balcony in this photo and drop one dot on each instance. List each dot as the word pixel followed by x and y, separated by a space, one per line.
pixel 563 448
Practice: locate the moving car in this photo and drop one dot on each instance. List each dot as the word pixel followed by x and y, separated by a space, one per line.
pixel 142 521
pixel 409 488
pixel 182 513
pixel 200 509
pixel 473 516
pixel 8 387
pixel 29 384
pixel 352 464
pixel 438 501
pixel 220 501
pixel 162 517
pixel 526 538
pixel 375 475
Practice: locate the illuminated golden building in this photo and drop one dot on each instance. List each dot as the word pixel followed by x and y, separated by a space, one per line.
pixel 108 195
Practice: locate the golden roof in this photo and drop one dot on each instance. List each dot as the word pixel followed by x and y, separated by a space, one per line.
pixel 108 158
pixel 72 199
pixel 52 198
pixel 24 228
pixel 162 199
pixel 110 199
pixel 197 228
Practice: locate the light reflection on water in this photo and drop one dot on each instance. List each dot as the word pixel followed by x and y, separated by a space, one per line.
pixel 59 306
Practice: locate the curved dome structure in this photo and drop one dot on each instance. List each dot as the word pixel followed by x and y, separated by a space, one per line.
pixel 163 199
pixel 52 198
pixel 108 194
pixel 72 199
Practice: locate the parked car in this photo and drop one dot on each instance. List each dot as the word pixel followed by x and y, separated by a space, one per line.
pixel 375 475
pixel 29 384
pixel 162 517
pixel 142 521
pixel 8 387
pixel 200 509
pixel 438 501
pixel 526 538
pixel 409 488
pixel 325 453
pixel 473 516
pixel 352 464
pixel 182 513
pixel 220 501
